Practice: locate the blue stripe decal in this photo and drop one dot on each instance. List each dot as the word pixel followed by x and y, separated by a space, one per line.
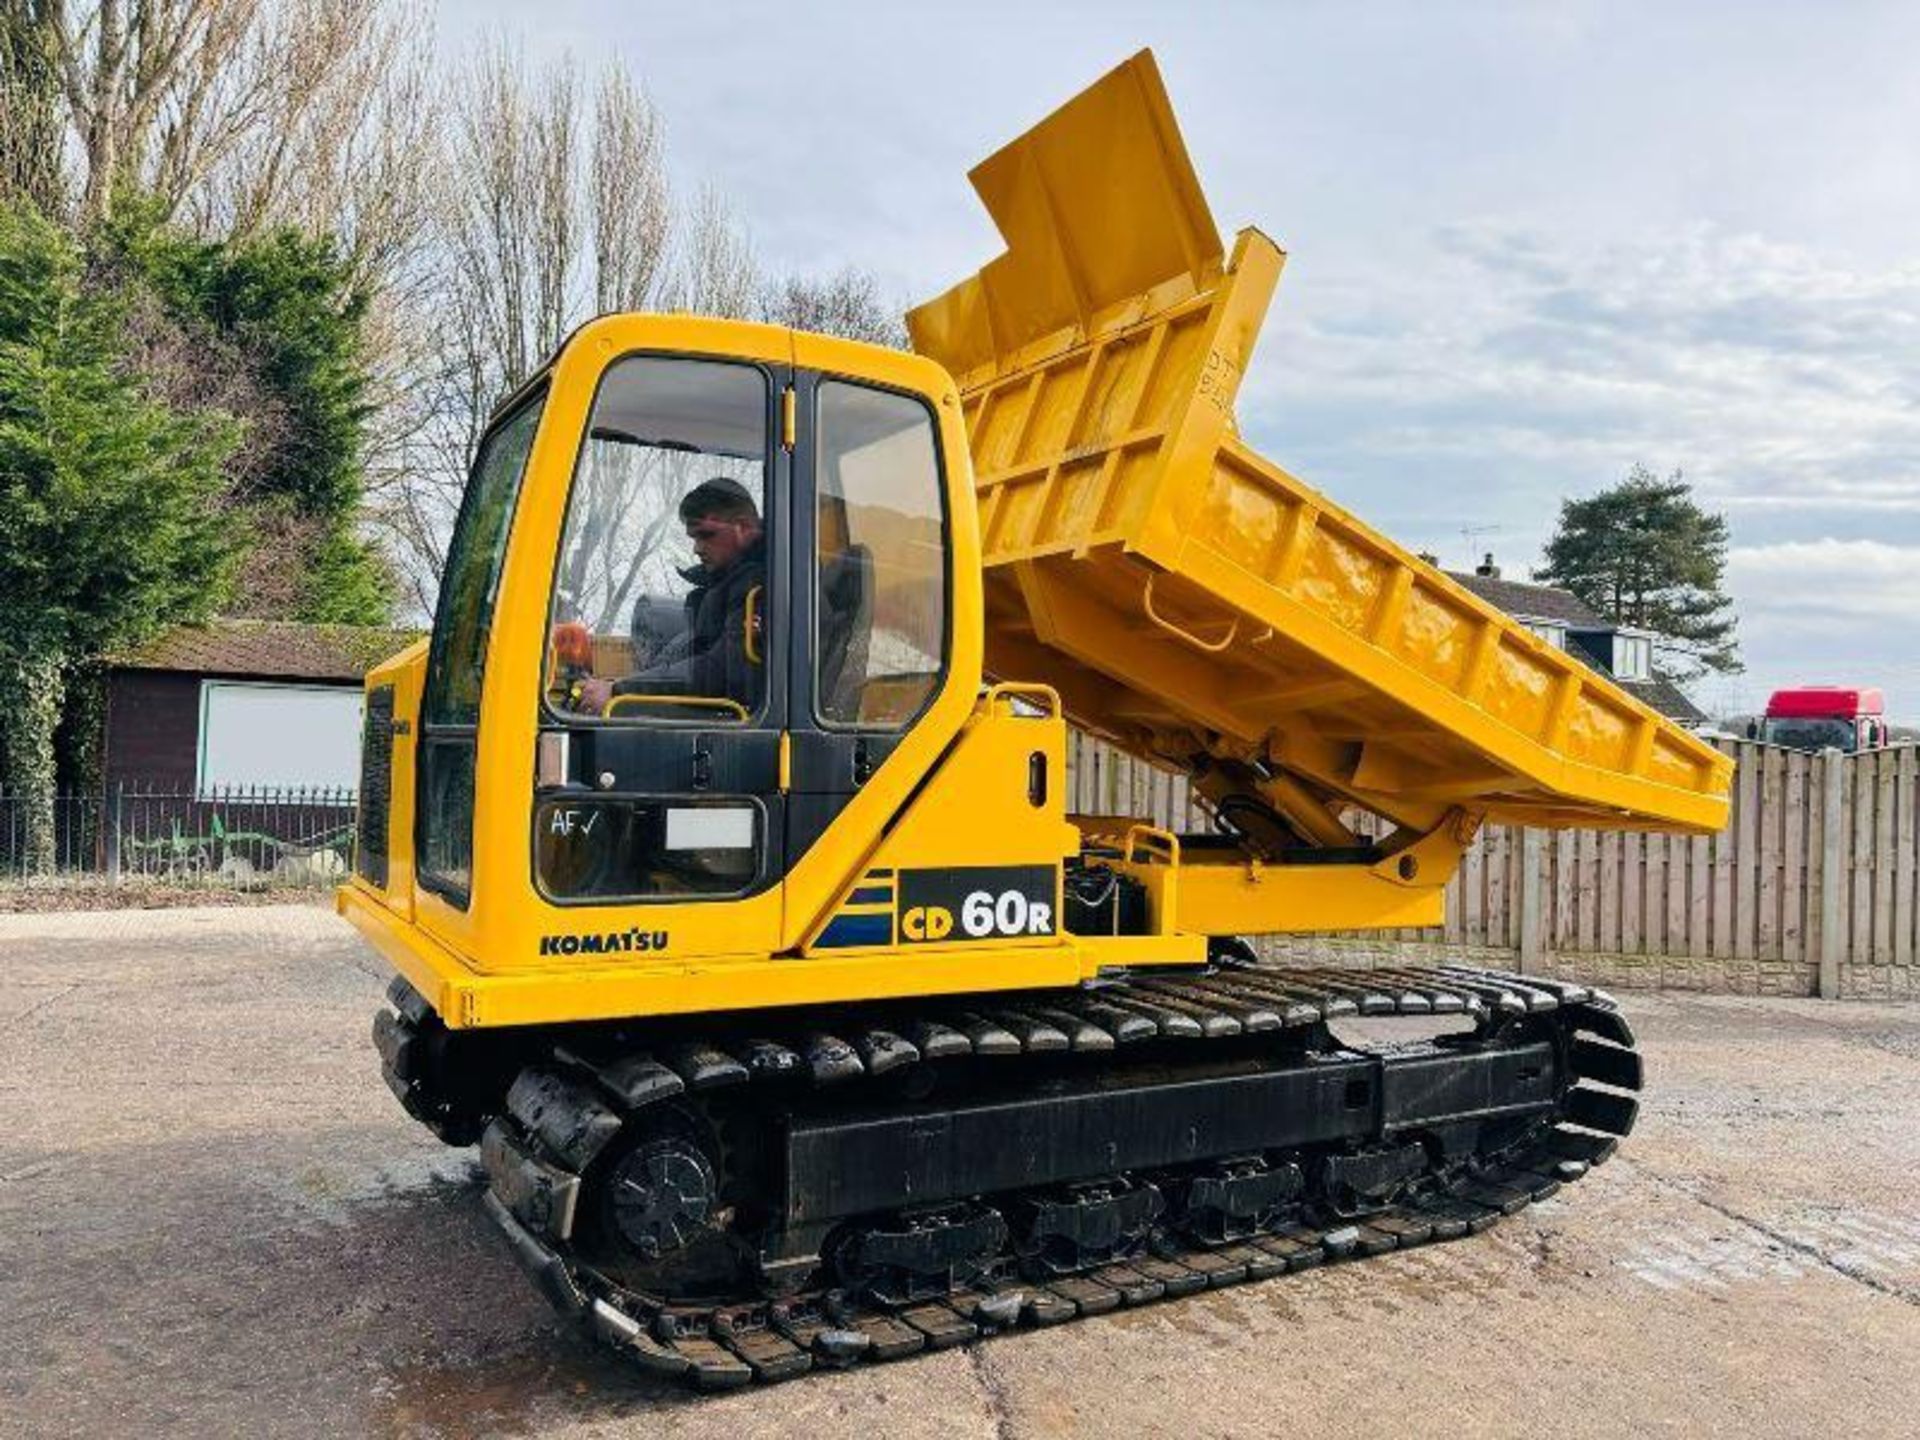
pixel 872 895
pixel 856 930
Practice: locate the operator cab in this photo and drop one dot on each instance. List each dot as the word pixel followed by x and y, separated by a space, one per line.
pixel 746 597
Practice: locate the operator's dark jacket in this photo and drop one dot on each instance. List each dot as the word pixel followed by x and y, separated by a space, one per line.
pixel 710 657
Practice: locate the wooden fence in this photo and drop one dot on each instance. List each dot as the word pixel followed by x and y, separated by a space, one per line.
pixel 1813 887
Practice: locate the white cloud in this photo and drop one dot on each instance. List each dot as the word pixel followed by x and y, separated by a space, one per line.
pixel 1514 370
pixel 1814 584
pixel 1774 377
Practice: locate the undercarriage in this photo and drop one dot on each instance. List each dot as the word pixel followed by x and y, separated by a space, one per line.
pixel 744 1197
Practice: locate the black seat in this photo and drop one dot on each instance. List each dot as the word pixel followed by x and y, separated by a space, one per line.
pixel 846 624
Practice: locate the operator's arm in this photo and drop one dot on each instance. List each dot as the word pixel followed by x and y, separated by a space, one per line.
pixel 672 669
pixel 711 658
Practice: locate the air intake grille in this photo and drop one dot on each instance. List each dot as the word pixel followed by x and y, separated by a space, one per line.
pixel 376 787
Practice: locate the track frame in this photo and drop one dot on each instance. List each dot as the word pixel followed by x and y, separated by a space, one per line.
pixel 1302 1151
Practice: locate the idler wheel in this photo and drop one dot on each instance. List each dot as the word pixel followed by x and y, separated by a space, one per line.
pixel 661 1196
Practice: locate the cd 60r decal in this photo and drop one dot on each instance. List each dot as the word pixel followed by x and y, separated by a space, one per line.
pixel 993 902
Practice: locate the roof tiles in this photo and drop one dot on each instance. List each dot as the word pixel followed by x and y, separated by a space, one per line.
pixel 277 649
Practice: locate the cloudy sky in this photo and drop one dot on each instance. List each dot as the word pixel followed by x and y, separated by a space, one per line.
pixel 1529 246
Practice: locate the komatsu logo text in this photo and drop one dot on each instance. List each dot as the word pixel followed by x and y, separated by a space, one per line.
pixel 614 942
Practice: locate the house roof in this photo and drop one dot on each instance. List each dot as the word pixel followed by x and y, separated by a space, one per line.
pixel 1527 601
pixel 1533 602
pixel 1666 697
pixel 277 649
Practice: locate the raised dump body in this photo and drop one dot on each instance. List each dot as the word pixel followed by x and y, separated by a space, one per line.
pixel 1191 600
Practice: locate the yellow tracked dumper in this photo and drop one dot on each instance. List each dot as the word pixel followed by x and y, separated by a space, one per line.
pixel 718 834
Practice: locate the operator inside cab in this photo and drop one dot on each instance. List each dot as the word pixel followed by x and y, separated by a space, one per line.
pixel 713 652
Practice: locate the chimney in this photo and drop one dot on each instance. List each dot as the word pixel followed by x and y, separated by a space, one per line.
pixel 1486 569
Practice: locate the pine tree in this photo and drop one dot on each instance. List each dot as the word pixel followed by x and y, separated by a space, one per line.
pixel 1644 554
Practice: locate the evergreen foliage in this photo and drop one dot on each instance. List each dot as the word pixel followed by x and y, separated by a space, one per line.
pixel 282 311
pixel 1644 554
pixel 110 526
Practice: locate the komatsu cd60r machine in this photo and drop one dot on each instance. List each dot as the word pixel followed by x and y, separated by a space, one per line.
pixel 719 834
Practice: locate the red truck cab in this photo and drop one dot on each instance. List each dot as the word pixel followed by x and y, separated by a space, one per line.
pixel 1816 717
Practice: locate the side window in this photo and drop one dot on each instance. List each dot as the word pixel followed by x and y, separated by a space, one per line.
pixel 661 607
pixel 458 656
pixel 456 663
pixel 880 570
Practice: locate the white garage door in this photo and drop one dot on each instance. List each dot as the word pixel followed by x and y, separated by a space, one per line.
pixel 278 735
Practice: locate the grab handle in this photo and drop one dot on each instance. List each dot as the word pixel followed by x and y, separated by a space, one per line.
pixel 1152 841
pixel 1184 636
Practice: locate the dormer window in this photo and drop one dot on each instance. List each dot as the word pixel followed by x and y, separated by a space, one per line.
pixel 1632 657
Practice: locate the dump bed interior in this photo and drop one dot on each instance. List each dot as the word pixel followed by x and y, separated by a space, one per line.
pixel 1191 600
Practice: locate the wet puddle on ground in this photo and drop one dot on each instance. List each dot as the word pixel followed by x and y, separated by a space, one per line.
pixel 327 1192
pixel 513 1393
pixel 1477 1270
pixel 1714 1255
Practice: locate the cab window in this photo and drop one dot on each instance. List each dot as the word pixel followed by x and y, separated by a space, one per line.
pixel 456 664
pixel 880 575
pixel 661 607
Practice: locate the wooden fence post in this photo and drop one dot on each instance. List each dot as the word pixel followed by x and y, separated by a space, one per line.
pixel 1532 847
pixel 1833 839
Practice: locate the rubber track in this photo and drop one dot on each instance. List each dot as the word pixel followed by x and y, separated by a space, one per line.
pixel 736 1344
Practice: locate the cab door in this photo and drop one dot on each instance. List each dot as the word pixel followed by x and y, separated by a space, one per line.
pixel 871 596
pixel 658 762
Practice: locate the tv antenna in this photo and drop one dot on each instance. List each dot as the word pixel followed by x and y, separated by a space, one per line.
pixel 1473 534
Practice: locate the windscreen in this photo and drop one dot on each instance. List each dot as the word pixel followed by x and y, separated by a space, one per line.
pixel 661 606
pixel 1810 733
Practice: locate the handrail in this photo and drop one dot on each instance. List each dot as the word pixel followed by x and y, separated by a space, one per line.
pixel 1044 695
pixel 712 702
pixel 1186 637
pixel 749 620
pixel 1166 840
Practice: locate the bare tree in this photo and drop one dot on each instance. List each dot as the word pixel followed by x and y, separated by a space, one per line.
pixel 847 303
pixel 553 207
pixel 512 217
pixel 632 209
pixel 346 141
pixel 32 111
pixel 714 270
pixel 159 91
pixel 234 114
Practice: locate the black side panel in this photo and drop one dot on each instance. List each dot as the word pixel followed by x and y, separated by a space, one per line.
pixel 376 787
pixel 839 1167
pixel 850 1165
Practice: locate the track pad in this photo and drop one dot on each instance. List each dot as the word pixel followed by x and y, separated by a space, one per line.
pixel 1372 1178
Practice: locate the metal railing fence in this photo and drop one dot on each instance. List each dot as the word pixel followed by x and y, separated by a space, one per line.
pixel 244 836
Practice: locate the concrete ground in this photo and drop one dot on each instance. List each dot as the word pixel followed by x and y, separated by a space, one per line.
pixel 214 1219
